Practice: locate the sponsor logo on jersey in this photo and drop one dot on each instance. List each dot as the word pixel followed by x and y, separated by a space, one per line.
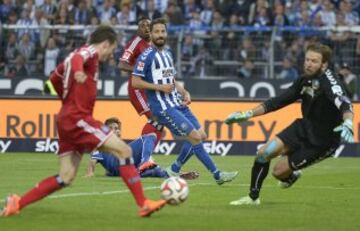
pixel 184 126
pixel 167 72
pixel 335 87
pixel 140 66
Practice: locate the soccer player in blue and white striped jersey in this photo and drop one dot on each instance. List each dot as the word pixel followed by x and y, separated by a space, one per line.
pixel 155 72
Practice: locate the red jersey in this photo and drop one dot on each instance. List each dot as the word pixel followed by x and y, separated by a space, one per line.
pixel 133 49
pixel 78 98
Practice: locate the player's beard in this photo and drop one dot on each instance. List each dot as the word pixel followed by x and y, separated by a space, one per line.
pixel 160 44
pixel 314 74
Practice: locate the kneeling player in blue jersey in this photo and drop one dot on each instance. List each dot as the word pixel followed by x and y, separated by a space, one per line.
pixel 142 149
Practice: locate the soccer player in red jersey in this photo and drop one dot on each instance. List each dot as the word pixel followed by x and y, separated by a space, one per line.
pixel 79 132
pixel 137 96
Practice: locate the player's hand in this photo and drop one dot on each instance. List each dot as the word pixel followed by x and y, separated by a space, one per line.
pixel 80 77
pixel 89 174
pixel 186 98
pixel 347 132
pixel 167 88
pixel 237 117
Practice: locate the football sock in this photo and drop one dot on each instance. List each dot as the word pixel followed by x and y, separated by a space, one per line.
pixel 185 153
pixel 153 127
pixel 291 179
pixel 41 190
pixel 154 172
pixel 258 174
pixel 205 159
pixel 131 177
pixel 148 147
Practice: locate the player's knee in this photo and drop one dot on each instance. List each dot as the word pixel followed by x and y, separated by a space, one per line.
pixel 276 172
pixel 68 177
pixel 261 156
pixel 280 169
pixel 266 152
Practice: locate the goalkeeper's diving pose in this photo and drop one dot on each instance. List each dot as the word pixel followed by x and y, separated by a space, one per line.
pixel 327 119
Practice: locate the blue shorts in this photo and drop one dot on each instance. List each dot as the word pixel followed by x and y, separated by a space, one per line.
pixel 179 120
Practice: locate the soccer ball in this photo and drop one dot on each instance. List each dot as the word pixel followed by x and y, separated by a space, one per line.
pixel 174 190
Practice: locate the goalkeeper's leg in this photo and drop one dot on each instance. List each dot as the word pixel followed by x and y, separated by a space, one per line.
pixel 260 170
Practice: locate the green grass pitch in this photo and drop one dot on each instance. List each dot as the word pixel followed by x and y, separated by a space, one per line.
pixel 327 197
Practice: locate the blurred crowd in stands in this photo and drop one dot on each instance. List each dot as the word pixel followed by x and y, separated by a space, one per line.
pixel 213 45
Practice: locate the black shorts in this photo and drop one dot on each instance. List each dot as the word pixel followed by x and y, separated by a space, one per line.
pixel 304 149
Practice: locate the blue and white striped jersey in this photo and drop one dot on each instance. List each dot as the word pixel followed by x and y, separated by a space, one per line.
pixel 157 67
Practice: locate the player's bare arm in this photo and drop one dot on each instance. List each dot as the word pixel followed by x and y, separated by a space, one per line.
pixel 184 93
pixel 137 82
pixel 91 168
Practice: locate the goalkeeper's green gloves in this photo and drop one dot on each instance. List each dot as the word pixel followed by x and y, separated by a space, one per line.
pixel 237 117
pixel 347 132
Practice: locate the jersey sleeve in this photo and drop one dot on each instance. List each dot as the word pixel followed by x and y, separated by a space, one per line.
pixel 142 65
pixel 289 96
pixel 335 92
pixel 127 57
pixel 97 156
pixel 132 51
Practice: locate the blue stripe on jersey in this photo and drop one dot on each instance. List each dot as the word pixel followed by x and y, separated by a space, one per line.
pixel 163 59
pixel 171 95
pixel 162 94
pixel 168 59
pixel 157 64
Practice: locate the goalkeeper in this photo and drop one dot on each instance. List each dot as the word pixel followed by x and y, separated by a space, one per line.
pixel 327 120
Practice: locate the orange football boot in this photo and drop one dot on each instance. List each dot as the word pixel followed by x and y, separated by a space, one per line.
pixel 11 207
pixel 150 207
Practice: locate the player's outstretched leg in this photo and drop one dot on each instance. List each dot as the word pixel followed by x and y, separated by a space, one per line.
pixel 130 175
pixel 220 177
pixel 185 154
pixel 260 171
pixel 69 164
pixel 148 143
pixel 15 203
pixel 151 128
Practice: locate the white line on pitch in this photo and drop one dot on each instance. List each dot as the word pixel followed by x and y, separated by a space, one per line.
pixel 80 194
